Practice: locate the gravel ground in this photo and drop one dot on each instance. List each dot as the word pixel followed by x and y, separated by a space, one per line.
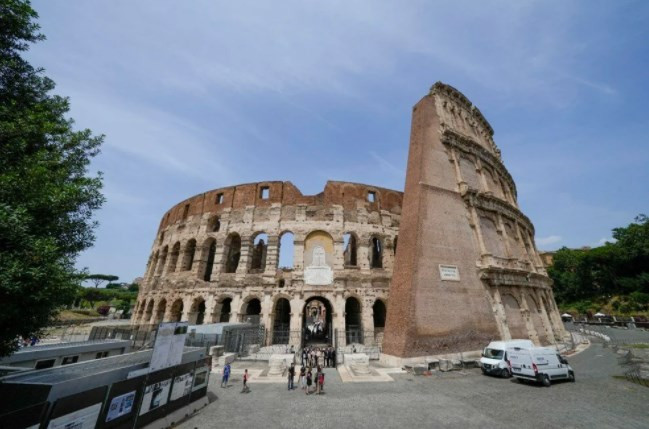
pixel 457 400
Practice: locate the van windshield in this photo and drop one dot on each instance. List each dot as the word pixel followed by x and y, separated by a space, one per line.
pixel 494 353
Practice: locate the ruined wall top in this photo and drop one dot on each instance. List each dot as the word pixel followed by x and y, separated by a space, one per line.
pixel 459 115
pixel 265 194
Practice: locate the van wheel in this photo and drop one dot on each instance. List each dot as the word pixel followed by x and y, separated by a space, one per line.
pixel 505 373
pixel 571 377
pixel 546 380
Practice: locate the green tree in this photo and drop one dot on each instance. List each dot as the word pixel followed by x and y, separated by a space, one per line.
pixel 47 196
pixel 98 279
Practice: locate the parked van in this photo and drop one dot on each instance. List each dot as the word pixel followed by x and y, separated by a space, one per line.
pixel 540 364
pixel 494 356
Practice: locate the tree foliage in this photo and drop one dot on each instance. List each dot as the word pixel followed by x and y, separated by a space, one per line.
pixel 98 279
pixel 614 269
pixel 47 196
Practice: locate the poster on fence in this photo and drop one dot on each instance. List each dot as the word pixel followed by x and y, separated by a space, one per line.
pixel 155 395
pixel 169 345
pixel 120 406
pixel 182 386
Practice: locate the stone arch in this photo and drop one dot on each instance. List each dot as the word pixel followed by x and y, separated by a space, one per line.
pixel 173 257
pixel 232 252
pixel 148 311
pixel 394 247
pixel 176 310
pixel 492 237
pixel 353 320
pixel 223 309
pixel 197 311
pixel 214 224
pixel 515 321
pixel 379 312
pixel 537 319
pixel 251 310
pixel 286 250
pixel 153 264
pixel 548 312
pixel 188 255
pixel 376 252
pixel 209 250
pixel 161 309
pixel 315 239
pixel 258 252
pixel 317 325
pixel 281 320
pixel 469 173
pixel 163 259
pixel 350 242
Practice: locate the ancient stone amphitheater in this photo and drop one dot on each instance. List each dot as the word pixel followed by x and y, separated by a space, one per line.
pixel 319 268
pixel 265 253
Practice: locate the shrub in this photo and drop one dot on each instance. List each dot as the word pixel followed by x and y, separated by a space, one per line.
pixel 103 310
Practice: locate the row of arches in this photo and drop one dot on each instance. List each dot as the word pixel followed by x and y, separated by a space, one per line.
pixel 182 258
pixel 539 316
pixel 316 315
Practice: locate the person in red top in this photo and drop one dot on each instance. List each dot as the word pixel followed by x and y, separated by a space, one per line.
pixel 246 389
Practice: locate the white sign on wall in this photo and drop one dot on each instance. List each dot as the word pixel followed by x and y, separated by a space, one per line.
pixel 449 272
pixel 169 345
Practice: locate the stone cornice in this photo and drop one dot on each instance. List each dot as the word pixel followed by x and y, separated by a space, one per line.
pixel 458 97
pixel 467 145
pixel 505 277
pixel 491 203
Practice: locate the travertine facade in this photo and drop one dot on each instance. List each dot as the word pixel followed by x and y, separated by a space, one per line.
pixel 467 270
pixel 216 258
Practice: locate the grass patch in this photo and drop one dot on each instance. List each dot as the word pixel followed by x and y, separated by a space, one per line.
pixel 638 346
pixel 77 315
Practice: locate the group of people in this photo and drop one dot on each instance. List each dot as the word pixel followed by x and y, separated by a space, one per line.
pixel 307 379
pixel 316 356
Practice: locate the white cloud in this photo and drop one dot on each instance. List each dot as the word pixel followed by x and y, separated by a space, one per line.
pixel 546 241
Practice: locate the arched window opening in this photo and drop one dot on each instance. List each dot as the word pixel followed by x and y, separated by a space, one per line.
pixel 160 312
pixel 226 310
pixel 214 224
pixel 188 257
pixel 175 251
pixel 395 244
pixel 379 314
pixel 148 313
pixel 233 253
pixel 353 327
pixel 211 251
pixel 349 242
pixel 163 259
pixel 259 250
pixel 198 311
pixel 377 253
pixel 281 324
pixel 177 310
pixel 286 251
pixel 281 283
pixel 154 264
pixel 252 312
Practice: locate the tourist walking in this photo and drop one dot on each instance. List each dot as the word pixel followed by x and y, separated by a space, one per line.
pixel 302 380
pixel 245 389
pixel 321 382
pixel 333 357
pixel 309 381
pixel 328 357
pixel 291 376
pixel 318 374
pixel 226 375
pixel 305 355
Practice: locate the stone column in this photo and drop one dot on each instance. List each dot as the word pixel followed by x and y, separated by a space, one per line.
pixel 266 316
pixel 339 254
pixel 546 320
pixel 188 315
pixel 235 308
pixel 503 233
pixel 295 334
pixel 501 318
pixel 476 225
pixel 367 320
pixel 246 253
pixel 272 256
pixel 210 307
pixel 298 251
pixel 527 316
pixel 338 318
pixel 483 179
pixel 363 253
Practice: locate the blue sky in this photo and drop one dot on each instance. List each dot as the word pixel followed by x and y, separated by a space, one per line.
pixel 197 95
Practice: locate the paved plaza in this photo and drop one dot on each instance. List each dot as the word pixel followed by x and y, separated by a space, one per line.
pixel 456 399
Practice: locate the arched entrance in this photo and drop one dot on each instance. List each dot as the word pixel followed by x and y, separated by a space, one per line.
pixel 353 324
pixel 281 321
pixel 252 311
pixel 316 322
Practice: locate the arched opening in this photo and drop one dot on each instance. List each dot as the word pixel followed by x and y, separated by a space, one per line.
pixel 379 311
pixel 515 322
pixel 396 238
pixel 316 322
pixel 176 311
pixel 286 251
pixel 160 311
pixel 154 264
pixel 188 255
pixel 259 250
pixel 209 264
pixel 252 311
pixel 350 244
pixel 214 224
pixel 226 310
pixel 148 313
pixel 233 252
pixel 197 312
pixel 376 260
pixel 175 251
pixel 537 319
pixel 353 325
pixel 163 259
pixel 282 321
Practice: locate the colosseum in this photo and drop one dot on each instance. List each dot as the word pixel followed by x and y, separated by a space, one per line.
pixel 319 268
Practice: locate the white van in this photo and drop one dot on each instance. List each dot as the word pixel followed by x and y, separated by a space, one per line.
pixel 494 356
pixel 540 364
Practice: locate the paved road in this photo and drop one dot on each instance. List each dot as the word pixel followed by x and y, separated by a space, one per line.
pixel 455 400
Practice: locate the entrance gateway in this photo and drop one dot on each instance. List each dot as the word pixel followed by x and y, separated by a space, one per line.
pixel 317 329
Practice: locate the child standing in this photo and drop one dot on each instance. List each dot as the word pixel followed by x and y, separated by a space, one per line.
pixel 246 389
pixel 309 380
